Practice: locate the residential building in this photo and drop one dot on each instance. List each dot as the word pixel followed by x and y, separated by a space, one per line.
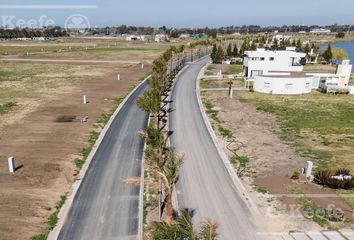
pixel 160 38
pixel 320 31
pixel 262 61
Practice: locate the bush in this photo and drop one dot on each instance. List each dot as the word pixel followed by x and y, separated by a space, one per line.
pixel 324 178
pixel 296 175
pixel 342 171
pixel 154 137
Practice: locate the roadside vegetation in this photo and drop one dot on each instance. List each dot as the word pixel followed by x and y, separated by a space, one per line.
pixel 162 162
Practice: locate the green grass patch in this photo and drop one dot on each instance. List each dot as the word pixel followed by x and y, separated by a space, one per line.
pixel 234 69
pixel 226 133
pixel 317 124
pixel 5 75
pixel 262 190
pixel 6 107
pixel 52 219
pixel 205 83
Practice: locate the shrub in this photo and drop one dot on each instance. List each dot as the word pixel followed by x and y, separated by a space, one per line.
pixel 342 171
pixel 322 177
pixel 296 175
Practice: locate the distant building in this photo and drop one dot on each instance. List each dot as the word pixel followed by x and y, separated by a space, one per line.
pixel 184 36
pixel 160 38
pixel 135 38
pixel 320 31
pixel 280 38
pixel 38 39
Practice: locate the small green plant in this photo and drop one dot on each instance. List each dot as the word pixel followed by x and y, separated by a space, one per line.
pixel 262 190
pixel 52 219
pixel 79 163
pixel 243 160
pixel 226 133
pixel 85 152
pixel 296 175
pixel 6 107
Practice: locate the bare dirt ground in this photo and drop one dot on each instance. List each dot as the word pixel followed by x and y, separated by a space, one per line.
pixel 272 163
pixel 45 149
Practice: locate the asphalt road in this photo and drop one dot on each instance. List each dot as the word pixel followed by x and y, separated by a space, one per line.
pixel 104 207
pixel 204 184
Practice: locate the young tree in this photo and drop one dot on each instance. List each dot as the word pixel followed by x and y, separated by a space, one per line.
pixel 235 51
pixel 340 35
pixel 229 50
pixel 307 48
pixel 275 45
pixel 327 54
pixel 182 228
pixel 253 46
pixel 299 44
pixel 165 165
pixel 213 53
pixel 220 55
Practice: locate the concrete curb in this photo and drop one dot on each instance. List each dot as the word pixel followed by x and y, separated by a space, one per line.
pixel 63 214
pixel 236 180
pixel 141 193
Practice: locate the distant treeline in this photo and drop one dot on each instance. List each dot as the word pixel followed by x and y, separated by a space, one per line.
pixel 30 33
pixel 172 32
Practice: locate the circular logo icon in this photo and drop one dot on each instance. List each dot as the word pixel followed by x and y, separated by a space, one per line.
pixel 77 23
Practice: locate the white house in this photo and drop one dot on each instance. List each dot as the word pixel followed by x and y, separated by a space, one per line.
pixel 262 61
pixel 160 38
pixel 283 83
pixel 320 31
pixel 280 37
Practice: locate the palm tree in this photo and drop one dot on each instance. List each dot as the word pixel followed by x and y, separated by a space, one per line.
pixel 165 164
pixel 182 228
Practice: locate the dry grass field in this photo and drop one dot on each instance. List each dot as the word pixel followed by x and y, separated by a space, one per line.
pixel 33 96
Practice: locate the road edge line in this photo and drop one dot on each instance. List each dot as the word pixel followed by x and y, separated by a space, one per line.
pixel 64 211
pixel 235 179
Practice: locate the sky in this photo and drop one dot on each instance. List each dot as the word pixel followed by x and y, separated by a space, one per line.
pixel 181 13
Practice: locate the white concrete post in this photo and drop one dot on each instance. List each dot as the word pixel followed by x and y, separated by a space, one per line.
pixel 142 66
pixel 118 77
pixel 309 169
pixel 27 53
pixel 85 99
pixel 230 92
pixel 12 164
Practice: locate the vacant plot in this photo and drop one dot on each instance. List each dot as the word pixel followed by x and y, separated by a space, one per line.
pixel 41 109
pixel 266 133
pixel 213 69
pixel 321 126
pixel 95 49
pixel 320 68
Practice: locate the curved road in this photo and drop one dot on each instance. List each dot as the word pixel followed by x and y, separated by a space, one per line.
pixel 205 184
pixel 104 207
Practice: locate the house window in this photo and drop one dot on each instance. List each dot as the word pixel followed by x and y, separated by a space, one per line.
pixel 271 59
pixel 266 85
pixel 256 73
pixel 262 58
pixel 307 85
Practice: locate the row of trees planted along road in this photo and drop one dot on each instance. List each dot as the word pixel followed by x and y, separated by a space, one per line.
pixel 162 160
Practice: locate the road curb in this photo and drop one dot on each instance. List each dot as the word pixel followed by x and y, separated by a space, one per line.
pixel 235 179
pixel 141 193
pixel 63 213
